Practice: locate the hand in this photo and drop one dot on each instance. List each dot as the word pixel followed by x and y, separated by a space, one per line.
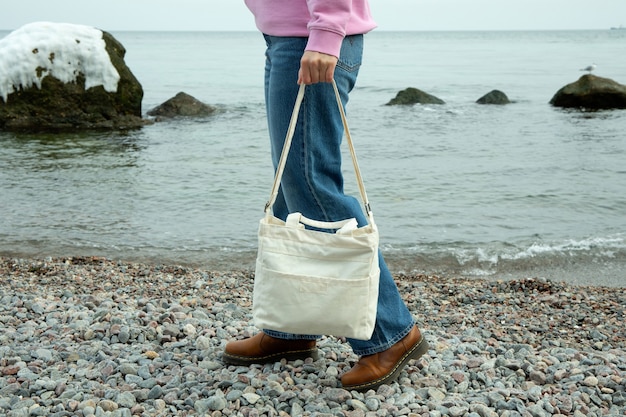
pixel 316 67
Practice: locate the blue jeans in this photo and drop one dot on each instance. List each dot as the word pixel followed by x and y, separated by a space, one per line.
pixel 313 182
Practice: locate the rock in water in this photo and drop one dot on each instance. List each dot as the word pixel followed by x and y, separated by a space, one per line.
pixel 414 96
pixel 57 76
pixel 591 92
pixel 494 97
pixel 182 105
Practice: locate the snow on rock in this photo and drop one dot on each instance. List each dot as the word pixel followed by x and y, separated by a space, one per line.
pixel 60 50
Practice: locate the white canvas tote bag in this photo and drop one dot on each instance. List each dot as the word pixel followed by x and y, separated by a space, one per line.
pixel 316 282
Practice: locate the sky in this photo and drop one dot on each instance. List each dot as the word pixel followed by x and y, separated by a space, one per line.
pixel 219 15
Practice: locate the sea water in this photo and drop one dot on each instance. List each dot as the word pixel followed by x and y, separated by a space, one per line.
pixel 460 189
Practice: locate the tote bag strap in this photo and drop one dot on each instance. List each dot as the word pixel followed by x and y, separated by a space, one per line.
pixel 287 145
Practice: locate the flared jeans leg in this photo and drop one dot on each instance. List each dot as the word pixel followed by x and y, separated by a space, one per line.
pixel 312 182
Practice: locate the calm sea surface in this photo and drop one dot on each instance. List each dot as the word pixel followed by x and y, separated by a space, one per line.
pixel 523 190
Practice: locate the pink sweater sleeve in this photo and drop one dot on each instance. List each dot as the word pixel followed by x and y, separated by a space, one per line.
pixel 327 25
pixel 324 22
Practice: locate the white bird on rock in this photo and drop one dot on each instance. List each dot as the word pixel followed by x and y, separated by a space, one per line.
pixel 589 68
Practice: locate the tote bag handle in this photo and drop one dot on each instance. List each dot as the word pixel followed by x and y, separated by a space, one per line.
pixel 287 145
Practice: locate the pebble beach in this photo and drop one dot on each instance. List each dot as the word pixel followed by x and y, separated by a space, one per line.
pixel 90 336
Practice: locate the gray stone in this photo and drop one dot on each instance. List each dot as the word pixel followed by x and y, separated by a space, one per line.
pixel 123 336
pixel 357 405
pixel 537 411
pixel 372 404
pixel 155 392
pixel 108 405
pixel 35 307
pixel 274 389
pixel 126 399
pixel 436 394
pixel 234 395
pixel 214 403
pixel 483 411
pixel 296 409
pixel 619 398
pixel 171 330
pixel 456 411
pixel 251 397
pixel 538 377
pixel 43 354
pixel 127 369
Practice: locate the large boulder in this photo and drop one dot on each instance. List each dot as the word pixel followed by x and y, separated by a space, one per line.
pixel 414 96
pixel 182 105
pixel 56 76
pixel 494 97
pixel 591 92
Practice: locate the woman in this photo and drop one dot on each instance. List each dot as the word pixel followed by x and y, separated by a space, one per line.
pixel 312 42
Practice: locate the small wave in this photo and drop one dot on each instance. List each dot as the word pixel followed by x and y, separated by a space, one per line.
pixel 594 260
pixel 599 246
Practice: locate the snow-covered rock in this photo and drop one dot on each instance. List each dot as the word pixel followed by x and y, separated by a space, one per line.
pixel 64 76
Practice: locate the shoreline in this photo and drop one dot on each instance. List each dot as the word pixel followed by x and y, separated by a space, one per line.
pixel 607 272
pixel 83 334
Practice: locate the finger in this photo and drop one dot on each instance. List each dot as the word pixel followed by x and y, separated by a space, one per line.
pixel 304 75
pixel 300 77
pixel 330 73
pixel 315 73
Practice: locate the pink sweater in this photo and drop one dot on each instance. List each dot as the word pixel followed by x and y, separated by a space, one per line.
pixel 324 22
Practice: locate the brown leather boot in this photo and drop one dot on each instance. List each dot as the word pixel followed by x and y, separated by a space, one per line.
pixel 372 371
pixel 262 348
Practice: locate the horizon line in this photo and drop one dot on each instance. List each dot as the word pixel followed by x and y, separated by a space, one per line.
pixel 375 30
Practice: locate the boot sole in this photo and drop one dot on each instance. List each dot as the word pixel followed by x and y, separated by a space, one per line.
pixel 415 352
pixel 275 357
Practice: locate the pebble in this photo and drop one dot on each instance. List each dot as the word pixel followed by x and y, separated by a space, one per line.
pixel 94 337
